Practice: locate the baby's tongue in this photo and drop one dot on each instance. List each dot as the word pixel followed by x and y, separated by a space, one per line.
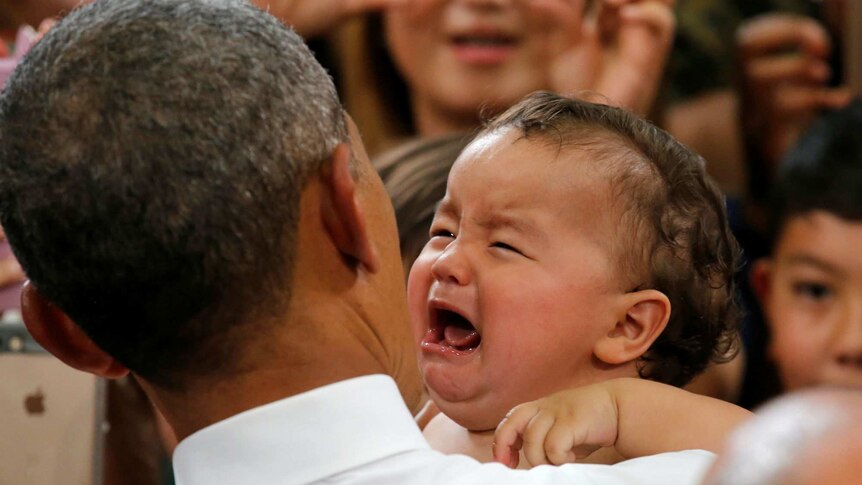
pixel 460 337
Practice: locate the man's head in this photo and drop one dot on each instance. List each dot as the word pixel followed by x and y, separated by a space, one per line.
pixel 163 166
pixel 576 243
pixel 811 286
pixel 806 438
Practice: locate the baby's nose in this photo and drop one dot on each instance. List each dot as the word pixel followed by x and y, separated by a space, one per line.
pixel 452 266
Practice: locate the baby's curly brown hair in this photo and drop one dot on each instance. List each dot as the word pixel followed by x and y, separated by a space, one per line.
pixel 680 241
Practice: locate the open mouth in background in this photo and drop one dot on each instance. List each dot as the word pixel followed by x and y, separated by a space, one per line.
pixel 491 48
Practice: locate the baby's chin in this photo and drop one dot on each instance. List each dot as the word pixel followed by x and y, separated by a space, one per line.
pixel 470 414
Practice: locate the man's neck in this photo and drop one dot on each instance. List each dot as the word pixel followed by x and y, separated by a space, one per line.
pixel 285 363
pixel 191 411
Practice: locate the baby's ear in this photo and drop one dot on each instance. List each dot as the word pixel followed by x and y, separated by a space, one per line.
pixel 642 318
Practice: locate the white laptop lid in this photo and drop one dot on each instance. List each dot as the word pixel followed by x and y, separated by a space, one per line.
pixel 49 416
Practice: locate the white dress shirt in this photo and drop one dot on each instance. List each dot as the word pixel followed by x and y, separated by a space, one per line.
pixel 360 431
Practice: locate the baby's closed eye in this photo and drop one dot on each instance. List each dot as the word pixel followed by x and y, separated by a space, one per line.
pixel 442 233
pixel 506 247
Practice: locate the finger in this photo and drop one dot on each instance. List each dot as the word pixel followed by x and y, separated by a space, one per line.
pixel 655 14
pixel 837 98
pixel 508 456
pixel 47 25
pixel 780 32
pixel 772 70
pixel 796 101
pixel 534 438
pixel 559 444
pixel 44 27
pixel 507 437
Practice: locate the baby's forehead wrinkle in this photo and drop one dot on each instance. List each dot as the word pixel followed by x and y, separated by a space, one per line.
pixel 446 207
pixel 522 222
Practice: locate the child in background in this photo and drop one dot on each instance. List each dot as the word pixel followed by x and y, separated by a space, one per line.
pixel 576 244
pixel 811 286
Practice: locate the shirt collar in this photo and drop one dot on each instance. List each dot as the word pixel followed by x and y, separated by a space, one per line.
pixel 304 438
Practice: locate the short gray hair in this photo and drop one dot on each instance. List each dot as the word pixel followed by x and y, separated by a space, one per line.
pixel 152 157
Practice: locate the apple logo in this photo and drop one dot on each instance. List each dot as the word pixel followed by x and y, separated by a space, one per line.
pixel 34 403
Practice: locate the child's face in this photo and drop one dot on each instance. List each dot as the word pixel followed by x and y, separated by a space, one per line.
pixel 812 297
pixel 518 281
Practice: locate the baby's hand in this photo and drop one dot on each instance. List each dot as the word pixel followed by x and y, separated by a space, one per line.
pixel 559 429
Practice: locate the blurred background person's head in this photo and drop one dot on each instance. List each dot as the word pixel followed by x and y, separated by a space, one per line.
pixel 808 438
pixel 811 285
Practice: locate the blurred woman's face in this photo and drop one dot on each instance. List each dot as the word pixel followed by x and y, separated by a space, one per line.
pixel 462 56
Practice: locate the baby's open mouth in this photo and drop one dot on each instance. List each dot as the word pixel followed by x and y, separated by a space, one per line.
pixel 451 329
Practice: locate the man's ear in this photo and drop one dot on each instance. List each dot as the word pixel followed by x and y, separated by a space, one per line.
pixel 59 335
pixel 643 317
pixel 761 281
pixel 343 215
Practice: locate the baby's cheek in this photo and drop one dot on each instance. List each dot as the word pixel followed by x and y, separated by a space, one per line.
pixel 417 300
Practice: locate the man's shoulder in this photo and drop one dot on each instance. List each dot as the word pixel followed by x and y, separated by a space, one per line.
pixel 679 468
pixel 429 467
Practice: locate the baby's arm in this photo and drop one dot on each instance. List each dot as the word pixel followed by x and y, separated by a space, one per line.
pixel 636 416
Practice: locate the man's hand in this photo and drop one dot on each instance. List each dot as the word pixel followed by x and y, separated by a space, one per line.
pixel 785 70
pixel 559 429
pixel 617 48
pixel 311 18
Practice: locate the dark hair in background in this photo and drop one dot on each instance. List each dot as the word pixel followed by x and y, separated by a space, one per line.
pixel 152 157
pixel 823 171
pixel 415 176
pixel 391 84
pixel 681 243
